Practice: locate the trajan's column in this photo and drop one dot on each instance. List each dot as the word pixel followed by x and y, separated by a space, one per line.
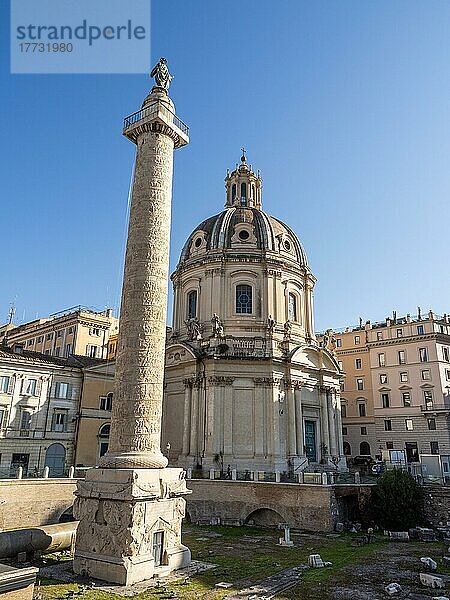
pixel 130 508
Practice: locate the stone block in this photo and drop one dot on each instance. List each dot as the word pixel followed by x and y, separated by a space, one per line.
pixel 392 589
pixel 339 527
pixel 431 581
pixel 429 562
pixel 426 535
pixel 315 561
pixel 223 585
pixel 17 584
pixel 399 536
pixel 126 515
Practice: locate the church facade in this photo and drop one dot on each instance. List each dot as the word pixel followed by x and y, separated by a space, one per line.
pixel 247 385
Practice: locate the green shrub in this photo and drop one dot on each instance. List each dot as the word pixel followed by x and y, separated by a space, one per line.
pixel 397 501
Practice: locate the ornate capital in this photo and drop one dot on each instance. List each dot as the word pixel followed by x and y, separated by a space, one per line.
pixel 220 380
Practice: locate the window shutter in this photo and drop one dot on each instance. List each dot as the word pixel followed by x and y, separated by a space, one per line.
pixel 54 389
pixel 11 385
pixel 72 392
pixel 38 387
pixel 65 421
pixel 53 421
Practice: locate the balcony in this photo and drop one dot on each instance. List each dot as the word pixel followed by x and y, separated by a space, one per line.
pixel 157 109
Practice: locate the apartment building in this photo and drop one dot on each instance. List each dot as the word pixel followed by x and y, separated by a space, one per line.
pixel 400 370
pixel 77 331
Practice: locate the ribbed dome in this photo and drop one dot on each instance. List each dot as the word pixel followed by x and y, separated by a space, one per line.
pixel 241 229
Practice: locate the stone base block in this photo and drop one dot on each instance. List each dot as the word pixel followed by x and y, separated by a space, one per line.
pixel 130 524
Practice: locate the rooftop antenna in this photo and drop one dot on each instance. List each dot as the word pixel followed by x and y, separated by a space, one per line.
pixel 360 321
pixel 394 317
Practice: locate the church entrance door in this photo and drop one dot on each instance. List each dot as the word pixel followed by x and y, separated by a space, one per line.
pixel 310 441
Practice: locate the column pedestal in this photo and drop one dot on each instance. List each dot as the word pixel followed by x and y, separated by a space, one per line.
pixel 130 524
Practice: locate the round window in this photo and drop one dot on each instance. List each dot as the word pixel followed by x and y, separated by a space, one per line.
pixel 244 235
pixel 287 245
pixel 198 242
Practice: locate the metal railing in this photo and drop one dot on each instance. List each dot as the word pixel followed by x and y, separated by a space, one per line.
pixel 152 110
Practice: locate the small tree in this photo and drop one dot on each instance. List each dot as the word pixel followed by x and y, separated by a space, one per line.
pixel 398 501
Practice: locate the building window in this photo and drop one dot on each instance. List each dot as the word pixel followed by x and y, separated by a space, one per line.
pixel 431 424
pixel 30 386
pixel 358 363
pixel 70 330
pixel 399 333
pixel 47 352
pixel 59 422
pixel 63 390
pixel 341 366
pixel 233 191
pixel 243 193
pixel 359 384
pixel 25 421
pixel 447 374
pixel 292 307
pixel 4 384
pixel 434 447
pixel 59 333
pixel 420 330
pixel 445 354
pixel 379 335
pixel 30 342
pixel 423 354
pixel 401 357
pixel 347 449
pixel 383 378
pixel 342 386
pixel 403 376
pixel 389 445
pixel 95 331
pixel 40 339
pixel 428 398
pixel 409 424
pixel 3 413
pixel 363 430
pixel 68 350
pixel 388 425
pixel 192 304
pixel 357 339
pixel 56 351
pixel 106 402
pixel 364 449
pixel 382 359
pixel 426 376
pixel 91 351
pixel 103 439
pixel 344 431
pixel 406 397
pixel 49 336
pixel 362 409
pixel 339 343
pixel 343 410
pixel 243 299
pixel 385 400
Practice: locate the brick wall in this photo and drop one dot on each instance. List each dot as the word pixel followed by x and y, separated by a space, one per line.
pixel 310 507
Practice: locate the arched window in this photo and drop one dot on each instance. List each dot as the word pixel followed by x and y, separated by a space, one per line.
pixel 55 459
pixel 292 307
pixel 233 191
pixel 103 439
pixel 347 449
pixel 253 192
pixel 244 299
pixel 192 304
pixel 243 194
pixel 364 449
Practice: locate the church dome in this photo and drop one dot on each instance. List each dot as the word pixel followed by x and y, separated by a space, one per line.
pixel 243 226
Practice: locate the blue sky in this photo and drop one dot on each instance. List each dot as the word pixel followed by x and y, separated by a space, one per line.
pixel 344 106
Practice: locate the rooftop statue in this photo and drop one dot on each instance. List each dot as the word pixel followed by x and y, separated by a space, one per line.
pixel 161 74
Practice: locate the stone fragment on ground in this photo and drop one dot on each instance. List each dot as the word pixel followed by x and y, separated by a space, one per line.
pixel 315 561
pixel 431 581
pixel 399 536
pixel 392 589
pixel 224 585
pixel 429 562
